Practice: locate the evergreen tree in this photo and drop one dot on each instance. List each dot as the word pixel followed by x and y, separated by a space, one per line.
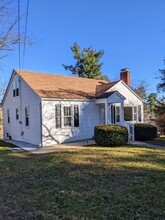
pixel 87 62
pixel 152 103
pixel 141 91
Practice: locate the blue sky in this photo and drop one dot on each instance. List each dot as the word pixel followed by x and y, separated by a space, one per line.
pixel 131 32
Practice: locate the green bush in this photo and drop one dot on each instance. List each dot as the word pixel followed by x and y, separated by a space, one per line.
pixel 110 135
pixel 145 132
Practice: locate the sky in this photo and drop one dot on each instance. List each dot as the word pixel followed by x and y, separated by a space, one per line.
pixel 131 33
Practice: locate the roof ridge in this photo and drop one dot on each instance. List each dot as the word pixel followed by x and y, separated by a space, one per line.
pixel 58 75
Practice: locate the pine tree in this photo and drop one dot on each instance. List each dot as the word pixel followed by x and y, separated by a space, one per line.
pixel 87 62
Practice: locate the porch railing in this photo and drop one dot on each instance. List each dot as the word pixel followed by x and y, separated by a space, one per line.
pixel 131 131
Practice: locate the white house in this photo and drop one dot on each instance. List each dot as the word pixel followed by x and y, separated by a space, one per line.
pixel 46 109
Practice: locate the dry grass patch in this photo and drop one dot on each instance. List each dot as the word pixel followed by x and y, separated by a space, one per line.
pixel 88 183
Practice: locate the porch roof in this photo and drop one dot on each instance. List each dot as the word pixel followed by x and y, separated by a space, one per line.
pixel 108 94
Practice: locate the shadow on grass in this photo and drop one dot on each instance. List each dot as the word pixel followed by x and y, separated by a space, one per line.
pixel 83 184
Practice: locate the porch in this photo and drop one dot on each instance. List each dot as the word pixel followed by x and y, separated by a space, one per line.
pixel 113 109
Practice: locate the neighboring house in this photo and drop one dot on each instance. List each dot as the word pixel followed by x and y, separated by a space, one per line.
pixel 46 109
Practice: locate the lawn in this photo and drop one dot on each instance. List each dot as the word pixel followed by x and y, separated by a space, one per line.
pixel 85 183
pixel 158 141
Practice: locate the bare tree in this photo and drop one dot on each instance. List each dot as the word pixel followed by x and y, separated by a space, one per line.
pixel 9 36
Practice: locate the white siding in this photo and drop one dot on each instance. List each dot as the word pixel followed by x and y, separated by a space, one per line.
pixel 16 128
pixel 88 119
pixel 131 98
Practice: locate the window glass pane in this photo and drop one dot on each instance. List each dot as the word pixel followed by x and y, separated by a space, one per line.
pixel 128 113
pixel 117 114
pixel 8 116
pixel 135 117
pixel 67 111
pixel 67 121
pixel 58 116
pixel 76 116
pixel 117 110
pixel 135 109
pixel 17 116
pixel 26 116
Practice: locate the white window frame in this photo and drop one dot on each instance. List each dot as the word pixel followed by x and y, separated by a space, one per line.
pixel 27 126
pixel 117 114
pixel 17 114
pixel 67 116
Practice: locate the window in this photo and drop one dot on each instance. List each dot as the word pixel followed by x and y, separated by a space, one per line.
pixel 58 116
pixel 135 113
pixel 8 116
pixel 76 116
pixel 102 114
pixel 16 114
pixel 16 88
pixel 139 113
pixel 70 116
pixel 117 114
pixel 128 113
pixel 27 116
pixel 67 116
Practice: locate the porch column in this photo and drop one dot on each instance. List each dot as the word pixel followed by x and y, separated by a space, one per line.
pixel 122 112
pixel 106 112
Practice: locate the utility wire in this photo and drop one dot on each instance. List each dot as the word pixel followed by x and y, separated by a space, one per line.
pixel 25 36
pixel 19 36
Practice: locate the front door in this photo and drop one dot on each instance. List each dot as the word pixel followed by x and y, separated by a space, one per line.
pixel 115 114
pixel 113 110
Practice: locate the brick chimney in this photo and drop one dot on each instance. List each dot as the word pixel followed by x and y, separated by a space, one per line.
pixel 125 75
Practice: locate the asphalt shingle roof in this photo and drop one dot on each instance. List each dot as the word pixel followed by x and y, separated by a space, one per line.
pixel 64 87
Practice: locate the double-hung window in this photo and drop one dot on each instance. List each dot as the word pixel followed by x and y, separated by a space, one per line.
pixel 8 116
pixel 117 113
pixel 76 116
pixel 135 113
pixel 58 116
pixel 16 88
pixel 16 114
pixel 139 113
pixel 27 115
pixel 67 116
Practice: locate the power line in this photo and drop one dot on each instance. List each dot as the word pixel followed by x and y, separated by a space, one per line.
pixel 25 36
pixel 19 36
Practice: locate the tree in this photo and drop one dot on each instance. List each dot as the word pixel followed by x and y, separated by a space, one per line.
pixel 87 62
pixel 141 91
pixel 152 103
pixel 106 77
pixel 160 117
pixel 8 28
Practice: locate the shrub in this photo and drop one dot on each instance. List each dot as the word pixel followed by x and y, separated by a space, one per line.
pixel 160 121
pixel 145 132
pixel 110 135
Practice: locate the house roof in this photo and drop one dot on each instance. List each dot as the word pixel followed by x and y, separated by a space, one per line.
pixel 64 87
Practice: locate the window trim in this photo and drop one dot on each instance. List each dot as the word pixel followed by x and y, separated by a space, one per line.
pixel 8 116
pixel 27 126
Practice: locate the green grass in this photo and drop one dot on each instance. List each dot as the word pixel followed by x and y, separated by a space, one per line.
pixel 158 141
pixel 85 183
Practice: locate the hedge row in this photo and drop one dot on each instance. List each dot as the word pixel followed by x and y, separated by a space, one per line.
pixel 145 132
